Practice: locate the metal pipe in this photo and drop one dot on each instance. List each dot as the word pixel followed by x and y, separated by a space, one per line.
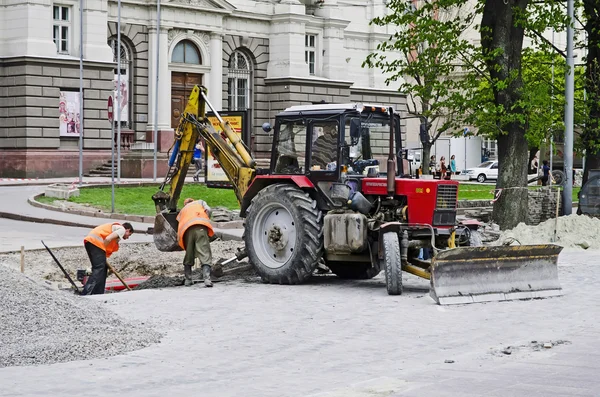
pixel 155 132
pixel 112 165
pixel 569 97
pixel 119 92
pixel 391 162
pixel 80 92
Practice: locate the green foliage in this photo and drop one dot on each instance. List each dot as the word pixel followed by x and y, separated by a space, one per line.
pixel 454 82
pixel 428 55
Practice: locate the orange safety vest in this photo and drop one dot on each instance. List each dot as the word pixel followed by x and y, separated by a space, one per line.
pixel 97 236
pixel 192 214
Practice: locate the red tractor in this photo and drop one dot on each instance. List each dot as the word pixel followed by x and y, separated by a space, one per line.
pixel 324 199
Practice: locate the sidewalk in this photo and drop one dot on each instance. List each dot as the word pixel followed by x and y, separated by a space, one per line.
pixel 15 206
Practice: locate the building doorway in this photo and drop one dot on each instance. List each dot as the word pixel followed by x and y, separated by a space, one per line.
pixel 182 85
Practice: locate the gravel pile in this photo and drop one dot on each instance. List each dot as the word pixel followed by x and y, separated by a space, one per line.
pixel 573 231
pixel 43 326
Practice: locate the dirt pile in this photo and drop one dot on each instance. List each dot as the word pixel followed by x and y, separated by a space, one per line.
pixel 573 231
pixel 42 326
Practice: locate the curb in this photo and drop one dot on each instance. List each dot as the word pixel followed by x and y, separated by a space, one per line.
pixel 27 218
pixel 96 214
pixel 221 233
pixel 133 218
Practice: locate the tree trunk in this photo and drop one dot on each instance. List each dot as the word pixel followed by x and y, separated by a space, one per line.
pixel 425 159
pixel 591 132
pixel 500 31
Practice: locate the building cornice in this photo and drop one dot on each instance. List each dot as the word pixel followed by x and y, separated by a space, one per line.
pixel 379 91
pixel 308 81
pixel 22 59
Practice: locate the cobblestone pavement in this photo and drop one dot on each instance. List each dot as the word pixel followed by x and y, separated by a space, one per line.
pixel 335 338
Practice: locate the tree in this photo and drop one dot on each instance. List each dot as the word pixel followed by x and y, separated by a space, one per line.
pixel 502 44
pixel 429 55
pixel 590 138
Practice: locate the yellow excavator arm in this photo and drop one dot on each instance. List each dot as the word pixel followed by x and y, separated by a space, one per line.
pixel 234 158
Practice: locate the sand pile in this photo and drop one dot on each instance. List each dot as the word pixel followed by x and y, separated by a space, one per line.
pixel 573 231
pixel 42 326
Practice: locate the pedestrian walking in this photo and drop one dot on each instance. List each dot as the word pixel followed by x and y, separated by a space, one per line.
pixel 443 167
pixel 198 150
pixel 100 244
pixel 194 233
pixel 432 165
pixel 453 164
pixel 534 164
pixel 545 173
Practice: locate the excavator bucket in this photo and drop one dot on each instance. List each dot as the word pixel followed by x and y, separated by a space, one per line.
pixel 485 274
pixel 165 232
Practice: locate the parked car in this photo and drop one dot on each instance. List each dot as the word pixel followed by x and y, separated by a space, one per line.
pixel 484 171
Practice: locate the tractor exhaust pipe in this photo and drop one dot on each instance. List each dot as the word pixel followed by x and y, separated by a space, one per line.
pixel 391 162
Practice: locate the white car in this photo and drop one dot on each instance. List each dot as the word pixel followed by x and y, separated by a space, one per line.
pixel 483 172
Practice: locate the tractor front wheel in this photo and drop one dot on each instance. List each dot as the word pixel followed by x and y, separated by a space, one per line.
pixel 392 263
pixel 283 234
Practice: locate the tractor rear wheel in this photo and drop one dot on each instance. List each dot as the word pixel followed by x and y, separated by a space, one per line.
pixel 392 263
pixel 283 234
pixel 354 271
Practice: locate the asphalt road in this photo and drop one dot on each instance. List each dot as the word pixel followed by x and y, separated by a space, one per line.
pixel 29 234
pixel 338 338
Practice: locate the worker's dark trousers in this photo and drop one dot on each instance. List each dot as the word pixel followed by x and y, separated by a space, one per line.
pixel 97 281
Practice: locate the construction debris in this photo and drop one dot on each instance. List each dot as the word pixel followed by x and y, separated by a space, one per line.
pixel 44 326
pixel 132 260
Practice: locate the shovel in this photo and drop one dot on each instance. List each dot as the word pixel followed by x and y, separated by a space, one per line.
pixel 62 268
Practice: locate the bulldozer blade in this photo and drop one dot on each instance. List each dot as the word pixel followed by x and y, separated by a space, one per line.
pixel 165 233
pixel 488 274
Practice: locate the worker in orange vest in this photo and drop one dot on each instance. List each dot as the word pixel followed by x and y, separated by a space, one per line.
pixel 100 243
pixel 194 232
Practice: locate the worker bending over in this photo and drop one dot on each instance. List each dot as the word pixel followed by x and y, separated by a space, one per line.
pixel 100 243
pixel 193 234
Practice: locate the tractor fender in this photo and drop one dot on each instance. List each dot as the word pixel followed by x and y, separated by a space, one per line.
pixel 262 181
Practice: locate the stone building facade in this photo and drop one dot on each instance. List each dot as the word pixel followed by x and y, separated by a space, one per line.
pixel 258 56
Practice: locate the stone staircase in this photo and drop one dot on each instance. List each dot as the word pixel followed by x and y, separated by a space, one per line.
pixel 103 170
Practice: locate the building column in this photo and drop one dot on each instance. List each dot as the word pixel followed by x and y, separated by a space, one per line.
pixel 165 132
pixel 286 39
pixel 334 55
pixel 215 85
pixel 95 19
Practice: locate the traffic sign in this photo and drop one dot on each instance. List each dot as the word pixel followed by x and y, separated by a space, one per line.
pixel 110 109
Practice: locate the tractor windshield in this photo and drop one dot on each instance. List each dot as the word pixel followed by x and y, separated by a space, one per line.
pixel 369 144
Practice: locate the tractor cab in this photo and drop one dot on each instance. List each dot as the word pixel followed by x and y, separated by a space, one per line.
pixel 331 143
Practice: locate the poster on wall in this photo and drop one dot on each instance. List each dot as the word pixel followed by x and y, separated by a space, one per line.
pixel 214 174
pixel 68 114
pixel 121 89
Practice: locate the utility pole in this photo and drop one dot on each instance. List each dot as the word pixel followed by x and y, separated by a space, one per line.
pixel 119 93
pixel 569 109
pixel 155 132
pixel 80 92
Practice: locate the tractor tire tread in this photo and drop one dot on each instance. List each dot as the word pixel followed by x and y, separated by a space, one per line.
pixel 393 263
pixel 310 249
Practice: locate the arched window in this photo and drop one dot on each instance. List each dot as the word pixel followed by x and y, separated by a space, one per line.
pixel 126 82
pixel 239 81
pixel 186 52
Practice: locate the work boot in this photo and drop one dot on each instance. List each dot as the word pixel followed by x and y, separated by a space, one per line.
pixel 188 275
pixel 206 275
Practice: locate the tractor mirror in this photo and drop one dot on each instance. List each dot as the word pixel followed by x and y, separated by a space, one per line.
pixel 267 127
pixel 355 128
